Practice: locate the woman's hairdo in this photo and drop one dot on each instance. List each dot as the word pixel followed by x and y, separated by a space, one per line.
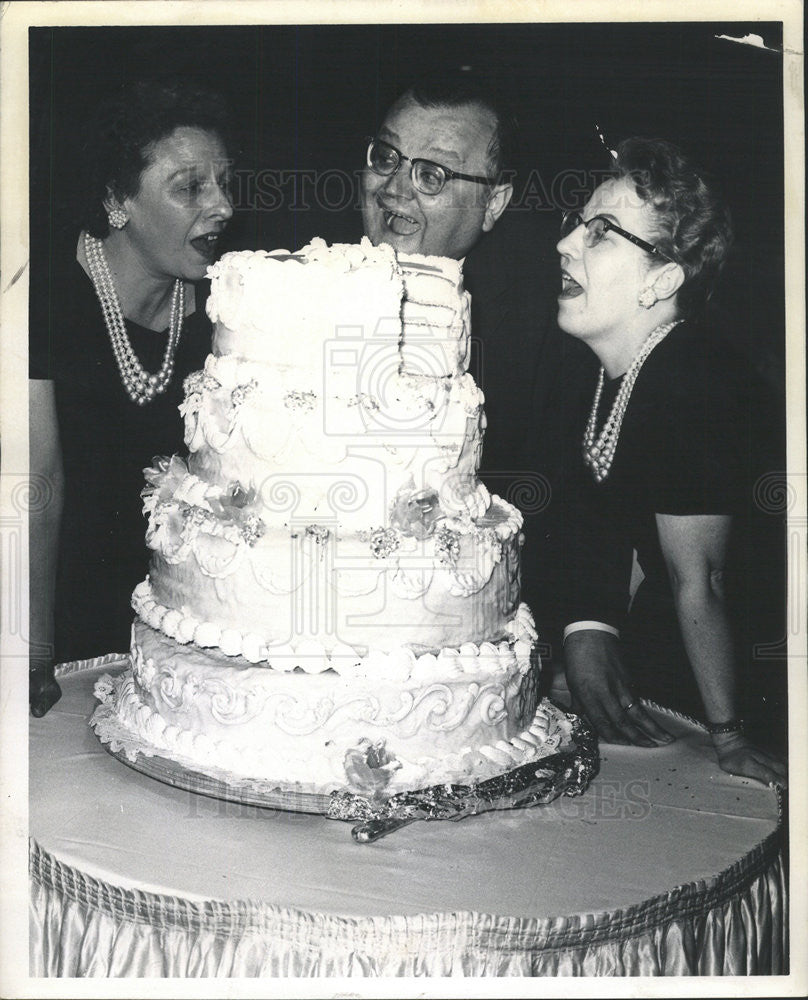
pixel 692 223
pixel 117 143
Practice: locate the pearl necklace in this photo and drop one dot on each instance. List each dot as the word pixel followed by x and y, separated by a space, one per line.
pixel 598 454
pixel 140 386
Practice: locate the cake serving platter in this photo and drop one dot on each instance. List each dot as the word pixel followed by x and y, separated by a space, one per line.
pixel 570 762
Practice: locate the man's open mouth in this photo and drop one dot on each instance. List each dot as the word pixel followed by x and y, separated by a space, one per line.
pixel 401 225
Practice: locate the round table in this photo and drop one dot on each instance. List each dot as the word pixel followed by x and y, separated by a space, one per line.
pixel 666 865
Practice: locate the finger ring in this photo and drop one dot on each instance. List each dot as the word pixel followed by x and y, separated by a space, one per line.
pixel 628 708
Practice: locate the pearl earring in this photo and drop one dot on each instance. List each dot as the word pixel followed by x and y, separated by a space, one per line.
pixel 117 218
pixel 647 298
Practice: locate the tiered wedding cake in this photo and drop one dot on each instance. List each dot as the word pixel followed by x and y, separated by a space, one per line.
pixel 333 599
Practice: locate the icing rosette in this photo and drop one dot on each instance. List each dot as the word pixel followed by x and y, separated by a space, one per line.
pixel 164 477
pixel 369 767
pixel 416 512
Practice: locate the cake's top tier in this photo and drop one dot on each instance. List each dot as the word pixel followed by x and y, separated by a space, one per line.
pixel 303 310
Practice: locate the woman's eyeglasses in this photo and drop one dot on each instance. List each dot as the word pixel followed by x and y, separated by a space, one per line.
pixel 597 227
pixel 427 177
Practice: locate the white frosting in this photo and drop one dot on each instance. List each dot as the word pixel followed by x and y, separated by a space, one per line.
pixel 287 447
pixel 256 647
pixel 327 566
pixel 435 715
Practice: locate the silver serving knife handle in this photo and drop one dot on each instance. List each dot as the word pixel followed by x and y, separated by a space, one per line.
pixel 375 829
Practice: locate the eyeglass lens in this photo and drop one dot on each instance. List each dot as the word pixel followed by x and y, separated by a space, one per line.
pixel 428 177
pixel 594 229
pixel 383 158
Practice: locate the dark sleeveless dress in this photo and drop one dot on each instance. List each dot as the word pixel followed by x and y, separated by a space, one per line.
pixel 107 441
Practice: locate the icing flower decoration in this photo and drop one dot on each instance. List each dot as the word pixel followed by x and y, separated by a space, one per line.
pixel 166 477
pixel 369 767
pixel 196 519
pixel 416 514
pixel 193 383
pixel 318 532
pixel 191 404
pixel 384 542
pixel 251 528
pixel 166 530
pixel 237 506
pixel 447 546
pixel 237 496
pixel 241 392
pixel 180 506
pixel 296 400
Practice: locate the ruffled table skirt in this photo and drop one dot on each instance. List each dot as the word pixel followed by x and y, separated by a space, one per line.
pixel 81 926
pixel 93 919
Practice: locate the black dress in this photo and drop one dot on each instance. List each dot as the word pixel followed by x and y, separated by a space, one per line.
pixel 682 450
pixel 107 441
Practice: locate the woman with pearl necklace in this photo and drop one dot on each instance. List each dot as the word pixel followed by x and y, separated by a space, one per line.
pixel 116 326
pixel 662 458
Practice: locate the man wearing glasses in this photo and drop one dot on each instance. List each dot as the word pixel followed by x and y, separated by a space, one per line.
pixel 434 182
pixel 437 180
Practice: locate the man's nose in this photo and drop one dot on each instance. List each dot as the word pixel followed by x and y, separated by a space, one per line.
pixel 399 184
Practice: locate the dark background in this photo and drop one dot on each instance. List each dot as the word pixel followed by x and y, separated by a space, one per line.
pixel 304 98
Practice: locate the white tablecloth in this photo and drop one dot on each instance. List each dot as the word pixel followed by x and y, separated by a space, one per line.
pixel 665 866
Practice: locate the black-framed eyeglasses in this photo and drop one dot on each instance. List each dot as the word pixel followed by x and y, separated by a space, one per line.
pixel 596 229
pixel 427 177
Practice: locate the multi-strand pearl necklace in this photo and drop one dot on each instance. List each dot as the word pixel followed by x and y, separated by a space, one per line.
pixel 141 387
pixel 599 453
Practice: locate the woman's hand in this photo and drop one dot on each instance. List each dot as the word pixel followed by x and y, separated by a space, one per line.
pixel 600 690
pixel 737 755
pixel 43 691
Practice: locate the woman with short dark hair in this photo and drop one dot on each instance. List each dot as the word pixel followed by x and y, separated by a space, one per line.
pixel 663 457
pixel 119 327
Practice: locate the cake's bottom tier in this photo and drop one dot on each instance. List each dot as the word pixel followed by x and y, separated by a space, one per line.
pixel 323 732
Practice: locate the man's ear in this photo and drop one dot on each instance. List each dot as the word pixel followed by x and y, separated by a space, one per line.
pixel 667 281
pixel 498 199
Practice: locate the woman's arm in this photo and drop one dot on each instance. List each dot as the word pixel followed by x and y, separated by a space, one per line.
pixel 695 548
pixel 595 588
pixel 45 461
